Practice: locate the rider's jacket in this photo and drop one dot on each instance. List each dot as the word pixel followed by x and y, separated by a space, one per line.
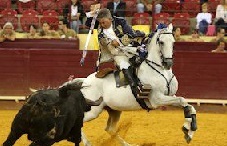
pixel 123 31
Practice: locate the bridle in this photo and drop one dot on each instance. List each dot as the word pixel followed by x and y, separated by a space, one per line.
pixel 151 63
pixel 160 43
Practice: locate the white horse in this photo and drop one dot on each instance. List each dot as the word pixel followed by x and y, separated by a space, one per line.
pixel 155 71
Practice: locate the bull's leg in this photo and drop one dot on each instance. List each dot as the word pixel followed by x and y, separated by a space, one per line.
pixel 113 119
pixel 17 130
pixel 13 136
pixel 189 126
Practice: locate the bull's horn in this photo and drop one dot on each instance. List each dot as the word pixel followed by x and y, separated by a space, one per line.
pixel 32 90
pixel 94 103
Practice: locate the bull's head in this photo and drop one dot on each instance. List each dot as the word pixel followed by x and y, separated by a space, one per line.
pixel 43 128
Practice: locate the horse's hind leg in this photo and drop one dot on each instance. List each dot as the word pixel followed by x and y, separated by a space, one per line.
pixel 113 119
pixel 88 116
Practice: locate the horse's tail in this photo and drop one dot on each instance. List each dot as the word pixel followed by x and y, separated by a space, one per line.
pixel 75 84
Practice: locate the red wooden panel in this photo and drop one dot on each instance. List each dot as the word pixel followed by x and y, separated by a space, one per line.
pixel 42 44
pixel 194 46
pixel 201 74
pixel 13 71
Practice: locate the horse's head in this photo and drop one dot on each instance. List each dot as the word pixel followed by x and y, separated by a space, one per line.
pixel 162 43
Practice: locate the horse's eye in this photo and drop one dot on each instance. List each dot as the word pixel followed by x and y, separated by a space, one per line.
pixel 161 43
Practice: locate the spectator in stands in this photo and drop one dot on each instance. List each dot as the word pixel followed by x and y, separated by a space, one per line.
pixel 140 7
pixel 203 19
pixel 195 37
pixel 32 32
pixel 220 34
pixel 117 8
pixel 7 33
pixel 77 15
pixel 177 34
pixel 221 15
pixel 148 5
pixel 64 31
pixel 220 46
pixel 46 32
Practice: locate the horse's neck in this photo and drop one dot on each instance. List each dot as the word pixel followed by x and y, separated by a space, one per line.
pixel 154 52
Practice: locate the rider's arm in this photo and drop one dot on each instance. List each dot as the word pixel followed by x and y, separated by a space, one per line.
pixel 90 16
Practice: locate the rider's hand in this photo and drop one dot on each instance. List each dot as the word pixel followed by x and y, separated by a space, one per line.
pixel 82 61
pixel 94 8
pixel 115 43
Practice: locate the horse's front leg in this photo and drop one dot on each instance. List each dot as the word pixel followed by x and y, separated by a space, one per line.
pixel 190 125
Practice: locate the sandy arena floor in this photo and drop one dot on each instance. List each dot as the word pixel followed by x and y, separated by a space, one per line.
pixel 156 128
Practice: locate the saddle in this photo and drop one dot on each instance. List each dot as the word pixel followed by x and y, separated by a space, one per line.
pixel 144 91
pixel 119 76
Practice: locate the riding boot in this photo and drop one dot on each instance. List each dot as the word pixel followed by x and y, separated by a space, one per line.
pixel 128 74
pixel 138 82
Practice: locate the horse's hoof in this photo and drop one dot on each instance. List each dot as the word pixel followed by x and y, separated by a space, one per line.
pixel 186 136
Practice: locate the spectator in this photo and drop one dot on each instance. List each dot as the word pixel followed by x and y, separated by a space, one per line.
pixel 140 7
pixel 117 8
pixel 46 32
pixel 148 5
pixel 77 14
pixel 177 34
pixel 221 15
pixel 195 37
pixel 220 46
pixel 203 19
pixel 220 34
pixel 64 32
pixel 7 33
pixel 32 32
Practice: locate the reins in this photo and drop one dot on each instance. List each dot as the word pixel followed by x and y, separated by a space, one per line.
pixel 167 82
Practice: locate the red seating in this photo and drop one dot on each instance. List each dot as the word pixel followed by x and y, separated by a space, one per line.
pixel 5 4
pixel 43 5
pixel 160 18
pixel 87 4
pixel 191 6
pixel 24 6
pixel 171 7
pixel 182 21
pixel 29 17
pixel 104 3
pixel 50 13
pixel 141 19
pixel 51 17
pixel 9 15
pixel 181 15
pixel 61 4
pixel 130 7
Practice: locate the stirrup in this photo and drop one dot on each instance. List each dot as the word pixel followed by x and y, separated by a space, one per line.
pixel 144 91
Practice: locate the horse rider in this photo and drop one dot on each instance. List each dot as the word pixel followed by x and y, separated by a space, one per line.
pixel 114 36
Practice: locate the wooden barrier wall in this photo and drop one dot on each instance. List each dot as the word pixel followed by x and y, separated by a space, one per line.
pixel 42 63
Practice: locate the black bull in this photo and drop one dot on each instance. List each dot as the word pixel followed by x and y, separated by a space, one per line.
pixel 49 116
